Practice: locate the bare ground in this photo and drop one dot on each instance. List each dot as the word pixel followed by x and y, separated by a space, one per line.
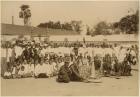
pixel 126 86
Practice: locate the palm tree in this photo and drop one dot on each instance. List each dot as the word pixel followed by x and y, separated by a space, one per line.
pixel 25 13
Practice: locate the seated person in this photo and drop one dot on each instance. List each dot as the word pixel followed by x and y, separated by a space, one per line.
pixel 7 74
pixel 48 68
pixel 60 64
pixel 31 68
pixel 21 72
pixel 84 69
pixel 64 73
pixel 75 75
pixel 53 66
pixel 14 71
pixel 24 70
pixel 40 71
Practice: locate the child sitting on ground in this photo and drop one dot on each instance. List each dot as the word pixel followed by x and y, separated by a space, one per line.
pixel 7 74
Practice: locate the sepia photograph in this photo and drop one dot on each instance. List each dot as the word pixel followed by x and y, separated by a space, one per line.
pixel 69 48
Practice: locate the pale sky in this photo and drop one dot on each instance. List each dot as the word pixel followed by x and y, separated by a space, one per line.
pixel 90 12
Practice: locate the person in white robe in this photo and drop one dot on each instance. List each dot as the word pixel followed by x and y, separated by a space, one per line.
pixel 9 54
pixel 21 72
pixel 7 74
pixel 40 70
pixel 60 64
pixel 44 50
pixel 18 50
pixel 37 69
pixel 48 68
pixel 14 71
pixel 122 55
pixel 26 70
pixel 54 68
pixel 31 68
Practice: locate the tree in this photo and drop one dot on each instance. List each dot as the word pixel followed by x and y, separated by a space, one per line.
pixel 128 24
pixel 25 13
pixel 67 26
pixel 56 25
pixel 101 29
pixel 73 25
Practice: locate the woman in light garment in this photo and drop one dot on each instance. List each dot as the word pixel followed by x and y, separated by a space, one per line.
pixel 31 67
pixel 7 74
pixel 14 71
pixel 122 54
pixel 26 69
pixel 60 63
pixel 40 70
pixel 18 50
pixel 53 66
pixel 47 68
pixel 37 69
pixel 21 73
pixel 9 54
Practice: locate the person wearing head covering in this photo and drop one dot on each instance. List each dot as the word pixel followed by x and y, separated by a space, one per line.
pixel 47 68
pixel 75 50
pixel 107 65
pixel 53 67
pixel 126 69
pixel 75 75
pixel 97 66
pixel 64 73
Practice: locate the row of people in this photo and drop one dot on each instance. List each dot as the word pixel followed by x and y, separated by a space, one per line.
pixel 114 61
pixel 86 66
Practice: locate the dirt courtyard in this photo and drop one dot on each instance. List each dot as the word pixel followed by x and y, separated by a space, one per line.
pixel 126 86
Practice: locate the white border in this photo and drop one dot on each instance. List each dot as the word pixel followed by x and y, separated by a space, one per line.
pixel 74 1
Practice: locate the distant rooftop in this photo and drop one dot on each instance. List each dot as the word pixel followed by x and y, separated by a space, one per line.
pixel 10 29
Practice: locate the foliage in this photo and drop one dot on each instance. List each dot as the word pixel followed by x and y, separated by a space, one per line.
pixel 23 7
pixel 73 25
pixel 102 28
pixel 128 24
pixel 25 11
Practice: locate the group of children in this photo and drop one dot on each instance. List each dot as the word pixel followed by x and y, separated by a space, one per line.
pixel 44 68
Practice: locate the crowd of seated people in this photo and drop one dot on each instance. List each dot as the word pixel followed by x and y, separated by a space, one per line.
pixel 76 63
